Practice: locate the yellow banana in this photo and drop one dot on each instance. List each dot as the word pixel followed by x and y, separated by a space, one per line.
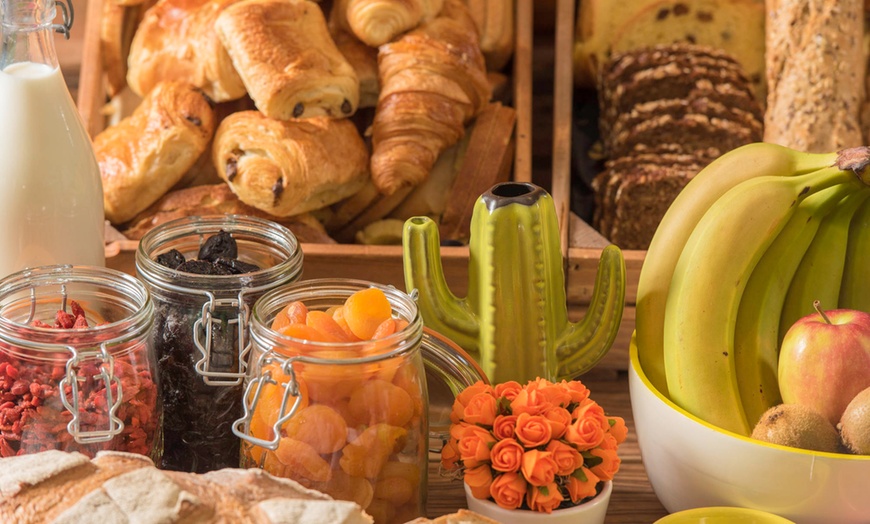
pixel 855 290
pixel 743 163
pixel 756 342
pixel 708 281
pixel 820 273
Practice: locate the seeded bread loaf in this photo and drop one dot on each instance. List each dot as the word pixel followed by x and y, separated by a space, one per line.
pixel 608 27
pixel 815 65
pixel 67 488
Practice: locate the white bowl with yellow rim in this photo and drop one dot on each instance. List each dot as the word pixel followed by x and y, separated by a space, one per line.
pixel 691 463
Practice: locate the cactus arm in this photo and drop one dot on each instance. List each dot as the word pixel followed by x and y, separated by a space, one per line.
pixel 583 344
pixel 439 307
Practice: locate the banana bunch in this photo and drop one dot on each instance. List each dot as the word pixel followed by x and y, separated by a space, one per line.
pixel 742 253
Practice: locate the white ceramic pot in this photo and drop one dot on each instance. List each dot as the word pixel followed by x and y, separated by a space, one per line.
pixel 591 512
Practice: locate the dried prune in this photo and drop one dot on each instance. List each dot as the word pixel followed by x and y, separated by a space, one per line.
pixel 171 259
pixel 222 245
pixel 203 267
pixel 236 266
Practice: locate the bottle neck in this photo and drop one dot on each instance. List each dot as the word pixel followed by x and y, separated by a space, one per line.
pixel 27 28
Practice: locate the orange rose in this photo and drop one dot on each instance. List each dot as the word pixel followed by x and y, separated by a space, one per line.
pixel 507 455
pixel 504 426
pixel 591 409
pixel 456 430
pixel 449 456
pixel 576 389
pixel 559 420
pixel 567 458
pixel 481 409
pixel 474 445
pixel 465 396
pixel 544 498
pixel 533 430
pixel 530 401
pixel 508 390
pixel 609 463
pixel 479 479
pixel 609 442
pixel 618 428
pixel 582 485
pixel 508 490
pixel 585 433
pixel 538 467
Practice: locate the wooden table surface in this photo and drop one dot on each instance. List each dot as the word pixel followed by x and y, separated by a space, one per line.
pixel 633 500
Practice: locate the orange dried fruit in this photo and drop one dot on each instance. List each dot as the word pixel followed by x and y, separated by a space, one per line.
pixel 405 470
pixel 344 487
pixel 365 310
pixel 303 332
pixel 338 316
pixel 302 460
pixel 385 329
pixel 294 313
pixel 319 426
pixel 370 451
pixel 381 511
pixel 326 326
pixel 395 490
pixel 268 407
pixel 379 401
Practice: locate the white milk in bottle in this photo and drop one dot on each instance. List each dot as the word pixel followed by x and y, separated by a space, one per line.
pixel 51 198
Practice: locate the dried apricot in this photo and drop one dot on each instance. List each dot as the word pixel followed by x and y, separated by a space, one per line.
pixel 379 401
pixel 338 316
pixel 369 452
pixel 302 460
pixel 303 332
pixel 395 490
pixel 326 326
pixel 365 310
pixel 345 487
pixel 385 329
pixel 406 470
pixel 294 313
pixel 320 426
pixel 381 511
pixel 268 407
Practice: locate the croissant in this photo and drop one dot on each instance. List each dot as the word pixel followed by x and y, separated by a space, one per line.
pixel 176 40
pixel 147 153
pixel 377 22
pixel 433 82
pixel 287 59
pixel 288 167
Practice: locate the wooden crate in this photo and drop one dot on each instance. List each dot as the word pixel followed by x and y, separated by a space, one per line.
pixel 376 263
pixel 583 243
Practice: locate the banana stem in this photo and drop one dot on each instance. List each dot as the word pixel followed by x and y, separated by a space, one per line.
pixel 855 159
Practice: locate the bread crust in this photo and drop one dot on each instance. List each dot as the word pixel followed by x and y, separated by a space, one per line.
pixel 286 168
pixel 147 153
pixel 287 59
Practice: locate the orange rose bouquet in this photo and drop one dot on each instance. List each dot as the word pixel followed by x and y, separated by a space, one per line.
pixel 542 446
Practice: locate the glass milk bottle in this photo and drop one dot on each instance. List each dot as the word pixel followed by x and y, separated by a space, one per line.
pixel 51 196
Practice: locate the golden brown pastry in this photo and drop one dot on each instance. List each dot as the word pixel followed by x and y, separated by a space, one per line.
pixel 287 60
pixel 433 82
pixel 377 22
pixel 117 26
pixel 364 60
pixel 288 167
pixel 148 152
pixel 495 25
pixel 176 40
pixel 218 199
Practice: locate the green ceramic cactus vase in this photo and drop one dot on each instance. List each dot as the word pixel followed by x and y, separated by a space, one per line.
pixel 514 319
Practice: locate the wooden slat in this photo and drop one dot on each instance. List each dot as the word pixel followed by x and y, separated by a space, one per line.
pixel 562 118
pixel 523 89
pixel 91 90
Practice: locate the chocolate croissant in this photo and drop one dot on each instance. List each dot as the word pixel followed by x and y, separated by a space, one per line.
pixel 176 40
pixel 287 59
pixel 288 167
pixel 377 22
pixel 147 153
pixel 433 82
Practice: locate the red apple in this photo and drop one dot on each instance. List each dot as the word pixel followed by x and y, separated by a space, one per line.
pixel 824 360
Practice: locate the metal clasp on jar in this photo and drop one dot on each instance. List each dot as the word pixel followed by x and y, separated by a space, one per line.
pixel 252 396
pixel 106 364
pixel 203 339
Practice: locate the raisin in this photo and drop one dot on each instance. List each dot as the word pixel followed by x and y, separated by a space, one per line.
pixel 232 168
pixel 236 266
pixel 195 120
pixel 346 108
pixel 663 13
pixel 222 245
pixel 681 9
pixel 171 259
pixel 704 16
pixel 277 190
pixel 298 109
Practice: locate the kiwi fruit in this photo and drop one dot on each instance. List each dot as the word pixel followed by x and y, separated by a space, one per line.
pixel 854 425
pixel 797 426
